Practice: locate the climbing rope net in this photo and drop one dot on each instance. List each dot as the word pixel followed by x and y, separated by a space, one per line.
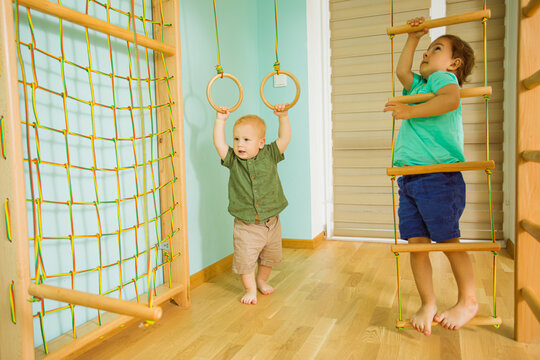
pixel 89 122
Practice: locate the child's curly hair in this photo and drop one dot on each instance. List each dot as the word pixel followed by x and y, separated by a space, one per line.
pixel 463 51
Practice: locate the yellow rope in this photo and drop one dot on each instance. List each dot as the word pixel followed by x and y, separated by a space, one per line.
pixel 488 172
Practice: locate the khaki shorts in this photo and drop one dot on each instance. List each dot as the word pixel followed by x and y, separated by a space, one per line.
pixel 256 243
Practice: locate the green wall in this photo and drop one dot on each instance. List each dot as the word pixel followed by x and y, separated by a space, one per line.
pixel 247 44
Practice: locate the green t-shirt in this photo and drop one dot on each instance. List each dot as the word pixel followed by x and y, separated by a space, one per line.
pixel 433 139
pixel 254 185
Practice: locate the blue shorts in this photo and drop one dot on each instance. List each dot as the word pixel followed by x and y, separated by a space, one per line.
pixel 430 205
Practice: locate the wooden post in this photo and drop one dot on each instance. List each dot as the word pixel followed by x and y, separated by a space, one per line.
pixel 527 272
pixel 16 339
pixel 170 66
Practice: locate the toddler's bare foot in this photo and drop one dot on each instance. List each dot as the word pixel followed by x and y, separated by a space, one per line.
pixel 423 318
pixel 264 288
pixel 250 297
pixel 458 315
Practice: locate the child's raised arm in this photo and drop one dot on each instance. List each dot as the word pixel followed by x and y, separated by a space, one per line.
pixel 219 132
pixel 284 132
pixel 404 66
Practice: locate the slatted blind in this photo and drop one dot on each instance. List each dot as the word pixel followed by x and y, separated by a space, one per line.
pixel 361 84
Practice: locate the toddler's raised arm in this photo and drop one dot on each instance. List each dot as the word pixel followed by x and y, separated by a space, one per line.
pixel 284 132
pixel 219 133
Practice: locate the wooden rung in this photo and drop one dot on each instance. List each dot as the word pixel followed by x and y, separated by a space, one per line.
pixel 531 228
pixel 65 13
pixel 449 20
pixel 464 93
pixel 532 81
pixel 429 169
pixel 532 300
pixel 477 246
pixel 531 155
pixel 99 302
pixel 531 8
pixel 476 321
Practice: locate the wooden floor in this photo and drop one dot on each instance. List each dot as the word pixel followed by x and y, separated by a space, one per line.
pixel 336 302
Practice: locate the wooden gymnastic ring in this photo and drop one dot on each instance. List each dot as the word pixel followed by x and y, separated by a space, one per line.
pixel 295 82
pixel 209 88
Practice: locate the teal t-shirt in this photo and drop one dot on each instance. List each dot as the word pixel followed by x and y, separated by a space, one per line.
pixel 433 139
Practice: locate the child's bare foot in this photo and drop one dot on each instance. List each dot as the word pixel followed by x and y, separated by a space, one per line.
pixel 250 297
pixel 423 318
pixel 264 288
pixel 458 315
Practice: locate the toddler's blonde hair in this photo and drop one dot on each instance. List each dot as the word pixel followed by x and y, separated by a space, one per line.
pixel 254 120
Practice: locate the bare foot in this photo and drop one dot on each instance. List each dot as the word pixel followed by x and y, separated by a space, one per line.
pixel 458 315
pixel 250 297
pixel 264 288
pixel 423 318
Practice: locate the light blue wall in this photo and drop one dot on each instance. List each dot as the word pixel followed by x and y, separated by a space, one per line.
pixel 247 44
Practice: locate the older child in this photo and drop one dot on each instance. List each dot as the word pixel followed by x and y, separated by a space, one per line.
pixel 255 196
pixel 430 205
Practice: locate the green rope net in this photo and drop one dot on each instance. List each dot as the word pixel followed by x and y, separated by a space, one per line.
pixel 89 122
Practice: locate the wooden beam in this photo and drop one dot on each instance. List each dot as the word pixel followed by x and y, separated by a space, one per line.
pixel 451 247
pixel 526 274
pixel 532 300
pixel 429 169
pixel 66 345
pixel 464 93
pixel 445 21
pixel 476 321
pixel 99 302
pixel 16 333
pixel 531 8
pixel 531 228
pixel 65 13
pixel 532 81
pixel 531 155
pixel 171 124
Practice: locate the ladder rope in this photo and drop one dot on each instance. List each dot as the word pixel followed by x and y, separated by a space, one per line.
pixel 488 171
pixel 276 64
pixel 219 68
pixel 393 178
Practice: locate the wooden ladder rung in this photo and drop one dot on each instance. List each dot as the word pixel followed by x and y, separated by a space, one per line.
pixel 531 155
pixel 477 246
pixel 94 301
pixel 532 300
pixel 435 168
pixel 449 20
pixel 531 8
pixel 464 93
pixel 476 321
pixel 531 228
pixel 65 13
pixel 532 81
